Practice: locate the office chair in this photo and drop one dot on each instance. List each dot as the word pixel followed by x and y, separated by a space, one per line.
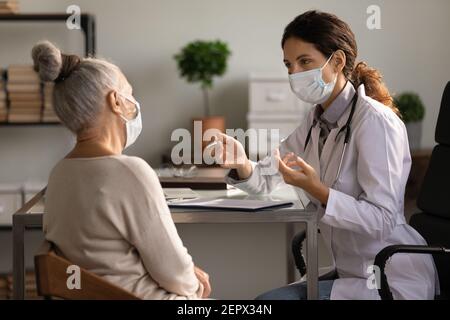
pixel 433 223
pixel 51 280
pixel 297 244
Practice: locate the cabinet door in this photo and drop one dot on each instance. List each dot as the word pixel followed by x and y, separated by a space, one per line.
pixel 9 203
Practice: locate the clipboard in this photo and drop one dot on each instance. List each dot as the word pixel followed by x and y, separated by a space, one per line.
pixel 229 204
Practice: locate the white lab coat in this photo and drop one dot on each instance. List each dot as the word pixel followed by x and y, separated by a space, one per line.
pixel 365 209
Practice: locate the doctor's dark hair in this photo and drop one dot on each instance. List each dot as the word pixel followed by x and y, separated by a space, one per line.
pixel 328 33
pixel 80 84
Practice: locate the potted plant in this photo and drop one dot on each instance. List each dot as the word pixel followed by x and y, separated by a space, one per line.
pixel 199 62
pixel 413 112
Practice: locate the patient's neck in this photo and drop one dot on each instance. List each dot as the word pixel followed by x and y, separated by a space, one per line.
pixel 96 142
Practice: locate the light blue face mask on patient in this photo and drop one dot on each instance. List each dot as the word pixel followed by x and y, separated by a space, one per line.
pixel 133 126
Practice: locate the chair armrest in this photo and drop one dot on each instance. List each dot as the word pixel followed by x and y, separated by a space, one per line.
pixel 382 257
pixel 297 243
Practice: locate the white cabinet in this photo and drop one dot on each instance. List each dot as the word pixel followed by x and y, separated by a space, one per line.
pixel 13 197
pixel 272 105
pixel 10 202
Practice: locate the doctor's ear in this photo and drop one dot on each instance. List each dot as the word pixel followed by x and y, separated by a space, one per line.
pixel 339 60
pixel 113 102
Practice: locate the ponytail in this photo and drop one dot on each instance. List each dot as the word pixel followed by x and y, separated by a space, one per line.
pixel 373 85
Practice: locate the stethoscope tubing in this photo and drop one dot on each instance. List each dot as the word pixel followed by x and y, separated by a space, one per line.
pixel 346 127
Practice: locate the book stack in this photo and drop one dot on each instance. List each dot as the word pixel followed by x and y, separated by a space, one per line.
pixel 30 286
pixel 4 292
pixel 49 114
pixel 9 6
pixel 24 92
pixel 3 107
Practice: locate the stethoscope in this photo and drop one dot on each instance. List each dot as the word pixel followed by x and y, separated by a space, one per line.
pixel 347 129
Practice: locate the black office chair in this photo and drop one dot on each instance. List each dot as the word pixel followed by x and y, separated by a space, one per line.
pixel 433 223
pixel 297 243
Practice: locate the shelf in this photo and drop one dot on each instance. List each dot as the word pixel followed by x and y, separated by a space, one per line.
pixel 87 24
pixel 29 124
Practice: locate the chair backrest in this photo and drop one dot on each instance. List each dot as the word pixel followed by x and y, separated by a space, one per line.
pixel 52 277
pixel 434 198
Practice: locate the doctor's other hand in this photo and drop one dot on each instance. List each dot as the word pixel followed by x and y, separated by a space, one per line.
pixel 203 278
pixel 297 172
pixel 232 156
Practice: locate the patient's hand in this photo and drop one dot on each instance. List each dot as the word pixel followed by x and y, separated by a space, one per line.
pixel 203 277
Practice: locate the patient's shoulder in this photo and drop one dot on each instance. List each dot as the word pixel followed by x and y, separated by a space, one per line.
pixel 140 169
pixel 133 161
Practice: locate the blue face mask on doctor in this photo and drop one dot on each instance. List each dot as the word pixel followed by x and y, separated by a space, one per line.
pixel 310 87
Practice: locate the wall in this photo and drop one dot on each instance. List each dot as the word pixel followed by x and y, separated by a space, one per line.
pixel 141 36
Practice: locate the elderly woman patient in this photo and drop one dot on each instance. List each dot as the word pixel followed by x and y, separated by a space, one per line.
pixel 106 211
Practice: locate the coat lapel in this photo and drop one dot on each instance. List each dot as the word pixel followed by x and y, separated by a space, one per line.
pixel 329 149
pixel 313 155
pixel 332 150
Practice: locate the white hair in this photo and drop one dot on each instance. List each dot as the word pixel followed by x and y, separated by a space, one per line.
pixel 80 84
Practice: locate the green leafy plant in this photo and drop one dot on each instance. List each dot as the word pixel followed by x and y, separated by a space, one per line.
pixel 410 106
pixel 200 62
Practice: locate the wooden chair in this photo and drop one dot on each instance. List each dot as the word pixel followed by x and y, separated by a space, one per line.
pixel 51 280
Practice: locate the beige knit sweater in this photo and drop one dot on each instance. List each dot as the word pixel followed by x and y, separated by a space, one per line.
pixel 109 216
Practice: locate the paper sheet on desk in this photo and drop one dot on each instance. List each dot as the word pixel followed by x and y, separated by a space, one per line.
pixel 288 192
pixel 230 204
pixel 302 196
pixel 179 193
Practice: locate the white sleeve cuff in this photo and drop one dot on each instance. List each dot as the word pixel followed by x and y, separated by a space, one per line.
pixel 240 182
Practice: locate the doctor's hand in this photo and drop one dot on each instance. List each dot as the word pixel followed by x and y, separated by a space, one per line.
pixel 231 155
pixel 203 278
pixel 297 172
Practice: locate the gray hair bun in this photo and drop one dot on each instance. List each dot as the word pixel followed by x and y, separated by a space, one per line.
pixel 47 60
pixel 51 64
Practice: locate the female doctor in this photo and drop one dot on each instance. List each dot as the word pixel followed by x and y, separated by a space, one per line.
pixel 351 157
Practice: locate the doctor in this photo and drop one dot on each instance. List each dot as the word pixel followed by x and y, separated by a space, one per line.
pixel 350 156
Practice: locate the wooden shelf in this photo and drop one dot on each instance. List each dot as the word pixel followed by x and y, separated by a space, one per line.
pixel 29 124
pixel 87 24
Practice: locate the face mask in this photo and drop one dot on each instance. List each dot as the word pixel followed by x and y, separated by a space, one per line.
pixel 133 126
pixel 309 86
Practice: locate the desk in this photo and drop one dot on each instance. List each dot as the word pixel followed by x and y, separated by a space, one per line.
pixel 30 216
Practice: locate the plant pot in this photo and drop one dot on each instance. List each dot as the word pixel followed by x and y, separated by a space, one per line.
pixel 206 123
pixel 414 130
